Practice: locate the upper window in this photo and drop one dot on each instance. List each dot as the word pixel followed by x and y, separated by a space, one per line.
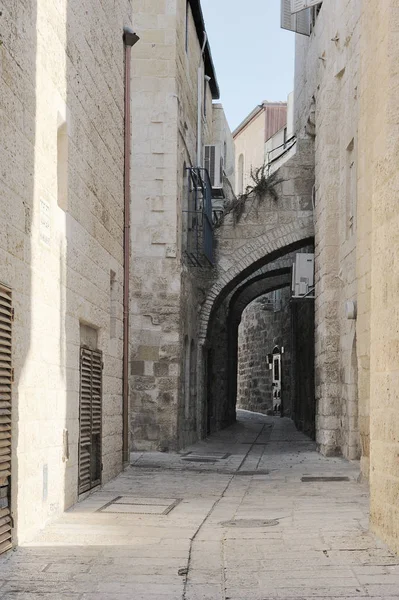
pixel 313 15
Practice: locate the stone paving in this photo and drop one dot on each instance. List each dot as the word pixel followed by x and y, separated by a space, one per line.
pixel 229 519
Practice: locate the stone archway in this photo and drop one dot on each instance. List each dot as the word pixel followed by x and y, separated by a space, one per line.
pixel 268 231
pixel 269 269
pixel 249 258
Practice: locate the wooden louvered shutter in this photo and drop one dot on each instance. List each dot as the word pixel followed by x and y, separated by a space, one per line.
pixel 90 419
pixel 6 379
pixel 299 5
pixel 298 22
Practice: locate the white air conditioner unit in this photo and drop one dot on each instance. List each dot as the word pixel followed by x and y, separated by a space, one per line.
pixel 303 276
pixel 213 163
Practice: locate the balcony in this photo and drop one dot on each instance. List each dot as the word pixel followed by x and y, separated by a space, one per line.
pixel 198 237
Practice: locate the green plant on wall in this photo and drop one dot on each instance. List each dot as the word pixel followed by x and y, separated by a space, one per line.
pixel 262 186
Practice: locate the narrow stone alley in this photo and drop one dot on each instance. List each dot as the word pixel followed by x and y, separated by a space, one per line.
pixel 252 513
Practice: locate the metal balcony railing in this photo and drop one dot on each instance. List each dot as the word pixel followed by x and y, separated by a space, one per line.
pixel 197 222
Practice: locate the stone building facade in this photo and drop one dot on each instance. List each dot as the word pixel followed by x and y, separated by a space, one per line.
pixel 61 244
pixel 174 84
pixel 346 75
pixel 250 137
pixel 326 84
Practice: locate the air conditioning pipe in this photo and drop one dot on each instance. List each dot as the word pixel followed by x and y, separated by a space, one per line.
pixel 130 39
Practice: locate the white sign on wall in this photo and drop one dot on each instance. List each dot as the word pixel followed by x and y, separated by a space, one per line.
pixel 45 222
pixel 298 5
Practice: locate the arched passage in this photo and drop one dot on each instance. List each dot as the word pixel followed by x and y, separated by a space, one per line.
pixel 221 318
pixel 251 257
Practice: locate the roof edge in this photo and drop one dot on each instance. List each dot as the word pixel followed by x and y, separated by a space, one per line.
pixel 199 21
pixel 256 111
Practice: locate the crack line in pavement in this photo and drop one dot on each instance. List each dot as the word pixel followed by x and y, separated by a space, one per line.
pixel 209 513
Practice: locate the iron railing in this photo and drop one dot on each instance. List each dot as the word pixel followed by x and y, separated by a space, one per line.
pixel 198 225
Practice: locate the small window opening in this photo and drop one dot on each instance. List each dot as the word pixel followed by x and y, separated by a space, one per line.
pixel 314 13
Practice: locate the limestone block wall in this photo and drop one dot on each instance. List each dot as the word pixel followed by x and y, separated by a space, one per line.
pixel 326 93
pixel 190 417
pixel 164 290
pixel 378 190
pixel 155 271
pixel 264 326
pixel 61 242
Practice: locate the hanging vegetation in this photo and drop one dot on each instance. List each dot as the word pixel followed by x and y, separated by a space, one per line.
pixel 261 187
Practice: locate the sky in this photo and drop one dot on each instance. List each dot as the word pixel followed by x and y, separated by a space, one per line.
pixel 254 58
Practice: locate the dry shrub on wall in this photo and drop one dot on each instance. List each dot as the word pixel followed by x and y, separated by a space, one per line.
pixel 262 186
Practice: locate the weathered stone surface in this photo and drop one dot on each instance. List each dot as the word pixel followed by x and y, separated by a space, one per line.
pixel 324 98
pixel 356 236
pixel 165 293
pixel 61 196
pixel 318 549
pixel 265 324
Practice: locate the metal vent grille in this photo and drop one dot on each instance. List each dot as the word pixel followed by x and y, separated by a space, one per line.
pixel 90 419
pixel 6 380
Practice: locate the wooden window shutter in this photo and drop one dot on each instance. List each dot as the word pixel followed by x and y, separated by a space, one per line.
pixel 90 419
pixel 298 22
pixel 6 380
pixel 298 5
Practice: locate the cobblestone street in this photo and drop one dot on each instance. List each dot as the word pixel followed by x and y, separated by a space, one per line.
pixel 239 516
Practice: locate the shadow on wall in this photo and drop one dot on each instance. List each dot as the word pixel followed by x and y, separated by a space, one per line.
pixel 303 359
pixel 17 185
pixel 92 264
pixel 90 219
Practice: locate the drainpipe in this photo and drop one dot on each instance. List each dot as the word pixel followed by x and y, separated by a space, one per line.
pixel 130 39
pixel 199 115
